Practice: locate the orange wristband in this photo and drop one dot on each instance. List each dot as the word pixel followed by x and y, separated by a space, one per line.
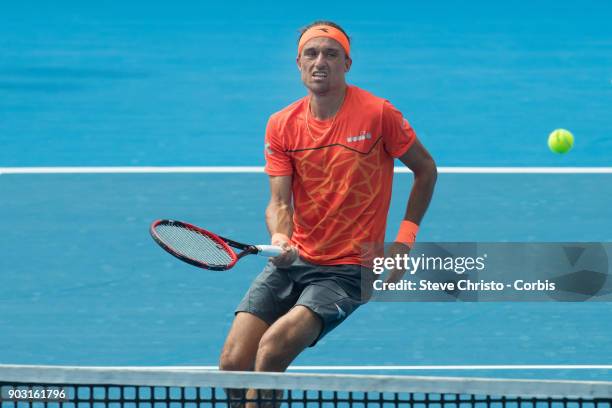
pixel 279 236
pixel 407 233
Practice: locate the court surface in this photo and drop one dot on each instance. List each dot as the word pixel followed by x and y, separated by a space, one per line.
pixel 151 85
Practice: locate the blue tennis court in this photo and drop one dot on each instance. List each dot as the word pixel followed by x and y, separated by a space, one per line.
pixel 154 85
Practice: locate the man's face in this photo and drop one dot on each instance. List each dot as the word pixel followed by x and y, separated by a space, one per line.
pixel 323 65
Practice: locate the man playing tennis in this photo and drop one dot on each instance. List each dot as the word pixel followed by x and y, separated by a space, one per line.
pixel 330 158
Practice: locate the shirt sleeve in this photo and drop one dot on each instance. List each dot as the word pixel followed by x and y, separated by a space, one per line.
pixel 397 133
pixel 278 163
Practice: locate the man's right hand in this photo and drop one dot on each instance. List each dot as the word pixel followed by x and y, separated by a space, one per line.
pixel 290 253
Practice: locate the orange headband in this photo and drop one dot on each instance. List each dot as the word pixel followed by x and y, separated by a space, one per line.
pixel 324 31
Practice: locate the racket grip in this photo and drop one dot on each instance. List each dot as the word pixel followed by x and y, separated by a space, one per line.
pixel 269 250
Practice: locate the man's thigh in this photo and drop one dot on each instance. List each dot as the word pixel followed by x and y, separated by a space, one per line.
pixel 297 329
pixel 240 348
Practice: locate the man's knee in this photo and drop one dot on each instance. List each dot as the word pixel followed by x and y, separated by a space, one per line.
pixel 233 360
pixel 240 347
pixel 272 351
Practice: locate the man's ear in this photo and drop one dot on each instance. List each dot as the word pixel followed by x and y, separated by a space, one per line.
pixel 297 61
pixel 347 64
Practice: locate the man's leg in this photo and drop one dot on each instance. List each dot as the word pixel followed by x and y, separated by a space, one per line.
pixel 286 338
pixel 240 348
pixel 280 345
pixel 252 344
pixel 268 298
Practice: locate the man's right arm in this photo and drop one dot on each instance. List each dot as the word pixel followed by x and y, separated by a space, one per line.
pixel 279 218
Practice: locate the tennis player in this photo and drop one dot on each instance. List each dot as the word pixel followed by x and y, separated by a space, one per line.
pixel 330 158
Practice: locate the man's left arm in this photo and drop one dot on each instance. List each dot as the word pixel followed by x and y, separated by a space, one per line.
pixel 417 159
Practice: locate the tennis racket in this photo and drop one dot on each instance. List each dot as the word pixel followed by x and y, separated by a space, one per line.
pixel 202 248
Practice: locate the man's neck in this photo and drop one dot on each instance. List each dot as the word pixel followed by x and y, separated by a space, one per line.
pixel 325 106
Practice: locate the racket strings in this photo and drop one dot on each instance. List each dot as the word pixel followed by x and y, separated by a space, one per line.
pixel 194 245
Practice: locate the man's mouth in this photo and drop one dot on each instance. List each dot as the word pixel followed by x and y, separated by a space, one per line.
pixel 319 74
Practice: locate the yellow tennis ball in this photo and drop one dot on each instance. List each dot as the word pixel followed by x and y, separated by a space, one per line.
pixel 560 141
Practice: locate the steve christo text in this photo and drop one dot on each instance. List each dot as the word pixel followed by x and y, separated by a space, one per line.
pixel 458 265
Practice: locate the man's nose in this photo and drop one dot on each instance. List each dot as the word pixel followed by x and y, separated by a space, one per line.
pixel 320 60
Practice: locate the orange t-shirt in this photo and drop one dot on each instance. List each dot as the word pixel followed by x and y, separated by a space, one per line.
pixel 342 172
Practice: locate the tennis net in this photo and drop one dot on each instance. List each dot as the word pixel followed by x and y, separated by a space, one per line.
pixel 97 387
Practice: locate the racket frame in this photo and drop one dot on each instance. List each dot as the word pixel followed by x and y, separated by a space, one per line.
pixel 226 243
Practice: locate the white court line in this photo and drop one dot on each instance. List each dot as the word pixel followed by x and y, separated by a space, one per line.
pixel 259 169
pixel 130 170
pixel 406 367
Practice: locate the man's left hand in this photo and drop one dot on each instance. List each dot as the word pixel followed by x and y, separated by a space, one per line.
pixel 396 248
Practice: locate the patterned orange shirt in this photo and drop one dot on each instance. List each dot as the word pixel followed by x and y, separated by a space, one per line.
pixel 342 171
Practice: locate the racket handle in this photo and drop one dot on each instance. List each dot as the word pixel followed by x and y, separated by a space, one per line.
pixel 269 250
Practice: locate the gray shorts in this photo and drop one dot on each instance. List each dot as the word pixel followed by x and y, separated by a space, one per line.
pixel 331 292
